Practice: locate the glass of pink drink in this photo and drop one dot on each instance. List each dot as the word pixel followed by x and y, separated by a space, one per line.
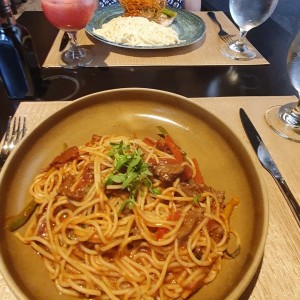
pixel 71 16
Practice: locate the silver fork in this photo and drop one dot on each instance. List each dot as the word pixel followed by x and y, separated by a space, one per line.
pixel 16 129
pixel 226 37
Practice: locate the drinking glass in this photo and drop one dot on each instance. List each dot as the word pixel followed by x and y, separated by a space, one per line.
pixel 247 14
pixel 285 119
pixel 71 16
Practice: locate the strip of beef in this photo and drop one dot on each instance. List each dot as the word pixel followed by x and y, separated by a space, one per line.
pixel 192 189
pixel 191 220
pixel 66 156
pixel 82 186
pixel 215 230
pixel 167 173
pixel 95 139
pixel 161 145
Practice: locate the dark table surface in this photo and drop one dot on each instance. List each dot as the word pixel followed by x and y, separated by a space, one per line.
pixel 271 40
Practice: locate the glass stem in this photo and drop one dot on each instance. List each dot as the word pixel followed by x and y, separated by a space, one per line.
pixel 74 51
pixel 298 104
pixel 290 114
pixel 296 111
pixel 240 44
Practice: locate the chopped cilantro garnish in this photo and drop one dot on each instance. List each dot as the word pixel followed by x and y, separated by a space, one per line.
pixel 129 170
pixel 128 203
pixel 196 199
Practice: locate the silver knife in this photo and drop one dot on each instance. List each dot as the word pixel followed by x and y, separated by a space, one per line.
pixel 268 163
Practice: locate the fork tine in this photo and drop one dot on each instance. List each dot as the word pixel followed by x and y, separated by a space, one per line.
pixel 13 135
pixel 223 38
pixel 226 38
pixel 6 136
pixel 19 130
pixel 16 129
pixel 24 129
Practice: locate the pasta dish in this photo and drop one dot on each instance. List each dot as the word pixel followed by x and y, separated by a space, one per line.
pixel 128 218
pixel 137 31
pixel 143 23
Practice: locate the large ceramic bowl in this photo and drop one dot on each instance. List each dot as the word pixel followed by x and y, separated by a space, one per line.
pixel 224 161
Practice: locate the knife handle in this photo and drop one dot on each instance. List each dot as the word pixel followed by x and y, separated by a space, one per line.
pixel 289 197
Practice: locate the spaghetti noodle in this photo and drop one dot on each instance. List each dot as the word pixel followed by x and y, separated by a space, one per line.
pixel 125 218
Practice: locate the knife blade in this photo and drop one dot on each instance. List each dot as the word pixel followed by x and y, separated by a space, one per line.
pixel 268 163
pixel 64 42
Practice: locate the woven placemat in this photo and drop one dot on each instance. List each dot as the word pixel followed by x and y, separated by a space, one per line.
pixel 202 53
pixel 278 275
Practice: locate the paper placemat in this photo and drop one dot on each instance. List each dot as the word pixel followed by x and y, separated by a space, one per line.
pixel 279 275
pixel 202 53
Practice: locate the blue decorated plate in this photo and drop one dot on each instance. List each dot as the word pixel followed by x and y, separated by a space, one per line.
pixel 190 27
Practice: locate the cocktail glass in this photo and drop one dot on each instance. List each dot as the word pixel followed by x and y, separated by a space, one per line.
pixel 71 16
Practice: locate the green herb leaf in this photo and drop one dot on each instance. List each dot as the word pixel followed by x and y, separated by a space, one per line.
pixel 162 130
pixel 133 163
pixel 129 169
pixel 120 160
pixel 129 178
pixel 128 203
pixel 156 191
pixel 118 178
pixel 196 199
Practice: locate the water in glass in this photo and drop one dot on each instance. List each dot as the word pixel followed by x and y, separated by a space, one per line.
pixel 247 14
